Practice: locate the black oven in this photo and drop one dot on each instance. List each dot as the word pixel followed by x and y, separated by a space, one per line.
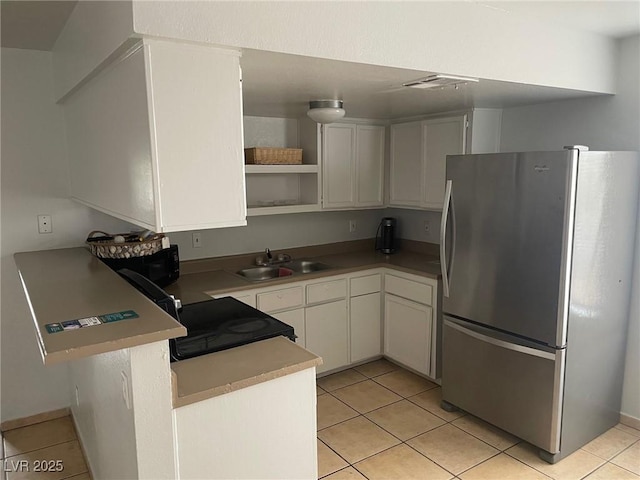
pixel 212 325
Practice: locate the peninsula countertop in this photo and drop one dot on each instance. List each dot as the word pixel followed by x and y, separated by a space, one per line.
pixel 199 378
pixel 70 284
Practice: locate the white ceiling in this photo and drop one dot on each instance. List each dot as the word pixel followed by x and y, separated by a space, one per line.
pixel 282 85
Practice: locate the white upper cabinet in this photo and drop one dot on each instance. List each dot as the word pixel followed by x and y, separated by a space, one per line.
pixel 407 165
pixel 156 138
pixel 339 150
pixel 353 162
pixel 419 151
pixel 418 154
pixel 440 137
pixel 369 165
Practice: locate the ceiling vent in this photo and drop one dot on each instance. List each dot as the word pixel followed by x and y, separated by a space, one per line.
pixel 439 81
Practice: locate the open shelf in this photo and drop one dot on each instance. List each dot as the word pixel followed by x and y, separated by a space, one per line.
pixel 274 169
pixel 281 209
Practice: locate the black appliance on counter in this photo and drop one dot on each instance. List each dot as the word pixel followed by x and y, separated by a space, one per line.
pixel 162 268
pixel 212 325
pixel 385 236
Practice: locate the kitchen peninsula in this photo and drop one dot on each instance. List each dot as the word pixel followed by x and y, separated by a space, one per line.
pixel 122 386
pixel 128 403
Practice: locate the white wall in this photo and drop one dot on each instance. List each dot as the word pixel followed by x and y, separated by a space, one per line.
pixel 122 442
pixel 93 32
pixel 34 181
pixel 454 37
pixel 411 224
pixel 279 232
pixel 603 123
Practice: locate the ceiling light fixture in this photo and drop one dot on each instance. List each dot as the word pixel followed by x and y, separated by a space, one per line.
pixel 325 111
pixel 439 81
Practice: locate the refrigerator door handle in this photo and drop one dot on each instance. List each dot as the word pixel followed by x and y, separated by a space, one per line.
pixel 443 238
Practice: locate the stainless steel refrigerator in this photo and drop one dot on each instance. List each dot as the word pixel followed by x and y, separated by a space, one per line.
pixel 537 254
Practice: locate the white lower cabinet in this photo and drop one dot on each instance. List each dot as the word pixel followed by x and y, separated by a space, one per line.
pixel 407 332
pixel 365 319
pixel 347 319
pixel 295 318
pixel 366 327
pixel 327 333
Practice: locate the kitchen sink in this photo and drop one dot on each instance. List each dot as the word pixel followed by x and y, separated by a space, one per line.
pixel 306 266
pixel 258 274
pixel 269 272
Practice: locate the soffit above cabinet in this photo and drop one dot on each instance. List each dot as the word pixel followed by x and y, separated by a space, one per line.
pixel 281 85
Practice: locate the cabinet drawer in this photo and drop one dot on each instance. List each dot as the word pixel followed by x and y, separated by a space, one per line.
pixel 322 292
pixel 418 292
pixel 280 299
pixel 367 284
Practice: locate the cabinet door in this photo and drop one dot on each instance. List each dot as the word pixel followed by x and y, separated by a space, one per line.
pixel 369 165
pixel 407 332
pixel 365 327
pixel 338 158
pixel 197 119
pixel 295 318
pixel 407 172
pixel 326 334
pixel 441 137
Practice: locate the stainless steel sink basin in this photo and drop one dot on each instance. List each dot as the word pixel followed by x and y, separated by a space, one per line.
pixel 269 272
pixel 306 266
pixel 257 274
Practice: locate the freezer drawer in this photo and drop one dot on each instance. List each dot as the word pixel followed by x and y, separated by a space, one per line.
pixel 511 386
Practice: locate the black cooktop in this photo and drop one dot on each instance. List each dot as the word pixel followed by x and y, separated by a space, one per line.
pixel 212 325
pixel 222 323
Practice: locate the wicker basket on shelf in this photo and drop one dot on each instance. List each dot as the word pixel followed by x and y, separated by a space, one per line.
pixel 123 245
pixel 272 156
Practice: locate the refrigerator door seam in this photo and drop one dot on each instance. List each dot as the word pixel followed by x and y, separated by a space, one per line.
pixel 567 252
pixel 502 343
pixel 558 397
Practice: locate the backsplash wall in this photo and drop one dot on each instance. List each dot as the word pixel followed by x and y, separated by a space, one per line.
pixel 279 232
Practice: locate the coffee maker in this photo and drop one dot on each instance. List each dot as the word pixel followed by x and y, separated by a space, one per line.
pixel 385 236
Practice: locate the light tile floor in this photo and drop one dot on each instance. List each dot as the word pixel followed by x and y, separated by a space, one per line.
pixel 40 446
pixel 380 422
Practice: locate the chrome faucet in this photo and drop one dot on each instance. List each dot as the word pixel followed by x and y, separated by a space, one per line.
pixel 268 258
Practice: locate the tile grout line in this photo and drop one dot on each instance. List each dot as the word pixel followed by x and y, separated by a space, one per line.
pixel 402 397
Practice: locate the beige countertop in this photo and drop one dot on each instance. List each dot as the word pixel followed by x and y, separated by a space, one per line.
pixel 202 278
pixel 69 284
pixel 207 376
pixel 199 378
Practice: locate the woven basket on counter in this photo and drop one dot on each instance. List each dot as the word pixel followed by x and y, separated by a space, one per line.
pixel 133 245
pixel 272 156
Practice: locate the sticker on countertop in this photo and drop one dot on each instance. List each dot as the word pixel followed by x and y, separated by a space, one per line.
pixel 90 321
pixel 116 317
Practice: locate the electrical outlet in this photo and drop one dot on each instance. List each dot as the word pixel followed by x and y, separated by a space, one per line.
pixel 77 397
pixel 196 240
pixel 352 226
pixel 427 226
pixel 44 224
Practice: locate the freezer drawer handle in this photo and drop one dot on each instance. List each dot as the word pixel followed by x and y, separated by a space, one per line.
pixel 500 343
pixel 443 238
